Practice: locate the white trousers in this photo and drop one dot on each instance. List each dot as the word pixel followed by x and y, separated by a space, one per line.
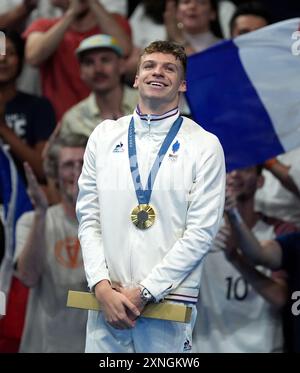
pixel 148 336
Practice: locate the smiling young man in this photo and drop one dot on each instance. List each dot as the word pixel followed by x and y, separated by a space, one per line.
pixel 150 202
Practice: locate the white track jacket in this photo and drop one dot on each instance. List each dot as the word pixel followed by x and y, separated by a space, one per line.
pixel 187 196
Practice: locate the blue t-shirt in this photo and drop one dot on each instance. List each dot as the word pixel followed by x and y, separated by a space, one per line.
pixel 32 119
pixel 290 245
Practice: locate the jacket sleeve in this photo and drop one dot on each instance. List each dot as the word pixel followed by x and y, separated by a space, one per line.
pixel 88 215
pixel 204 214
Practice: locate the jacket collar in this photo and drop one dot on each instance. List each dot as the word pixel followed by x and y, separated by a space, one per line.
pixel 153 123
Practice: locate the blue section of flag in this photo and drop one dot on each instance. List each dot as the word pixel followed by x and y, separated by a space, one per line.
pixel 23 203
pixel 5 181
pixel 224 101
pixel 12 194
pixel 16 201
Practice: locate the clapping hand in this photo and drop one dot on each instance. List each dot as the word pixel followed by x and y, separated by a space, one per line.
pixel 35 192
pixel 226 241
pixel 30 4
pixel 170 19
pixel 230 194
pixel 76 7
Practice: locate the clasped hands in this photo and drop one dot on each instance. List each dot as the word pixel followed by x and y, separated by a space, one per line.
pixel 121 305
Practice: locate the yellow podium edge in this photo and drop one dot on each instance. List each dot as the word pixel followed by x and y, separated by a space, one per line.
pixel 163 311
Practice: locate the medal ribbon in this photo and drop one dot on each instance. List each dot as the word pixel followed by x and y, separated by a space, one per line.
pixel 142 195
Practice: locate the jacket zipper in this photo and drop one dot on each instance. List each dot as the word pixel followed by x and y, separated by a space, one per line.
pixel 149 122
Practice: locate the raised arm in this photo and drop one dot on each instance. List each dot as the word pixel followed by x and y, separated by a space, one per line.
pixel 24 152
pixel 266 253
pixel 282 173
pixel 17 15
pixel 31 259
pixel 41 45
pixel 110 26
pixel 173 31
pixel 274 290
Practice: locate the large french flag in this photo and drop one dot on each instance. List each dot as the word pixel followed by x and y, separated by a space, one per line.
pixel 15 201
pixel 247 92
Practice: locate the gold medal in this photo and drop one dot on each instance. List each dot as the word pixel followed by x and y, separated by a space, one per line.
pixel 143 216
